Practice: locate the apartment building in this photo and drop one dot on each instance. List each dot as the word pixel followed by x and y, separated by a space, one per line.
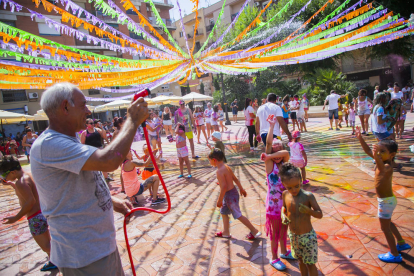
pixel 27 101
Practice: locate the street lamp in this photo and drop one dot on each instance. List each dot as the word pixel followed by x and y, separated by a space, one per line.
pixel 224 100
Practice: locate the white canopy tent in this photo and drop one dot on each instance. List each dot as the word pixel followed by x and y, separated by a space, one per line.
pixel 196 97
pixel 8 117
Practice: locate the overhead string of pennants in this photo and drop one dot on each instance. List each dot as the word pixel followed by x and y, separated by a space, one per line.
pixel 28 61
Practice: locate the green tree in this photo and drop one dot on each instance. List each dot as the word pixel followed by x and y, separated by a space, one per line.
pixel 265 81
pixel 202 88
pixel 325 80
pixel 236 88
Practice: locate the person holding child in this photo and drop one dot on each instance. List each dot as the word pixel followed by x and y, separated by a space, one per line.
pixel 298 208
pixel 182 150
pixel 133 188
pixel 228 200
pixel 274 158
pixel 298 155
pixel 384 153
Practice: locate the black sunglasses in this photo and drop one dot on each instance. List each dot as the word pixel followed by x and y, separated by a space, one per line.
pixel 89 123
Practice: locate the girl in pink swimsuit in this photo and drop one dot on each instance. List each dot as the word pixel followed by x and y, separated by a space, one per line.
pixel 274 157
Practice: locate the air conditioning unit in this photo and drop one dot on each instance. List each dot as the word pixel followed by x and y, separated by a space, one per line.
pixel 107 96
pixel 33 96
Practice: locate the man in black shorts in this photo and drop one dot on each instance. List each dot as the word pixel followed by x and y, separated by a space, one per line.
pixel 234 108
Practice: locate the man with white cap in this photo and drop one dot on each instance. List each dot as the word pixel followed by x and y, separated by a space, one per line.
pixel 184 116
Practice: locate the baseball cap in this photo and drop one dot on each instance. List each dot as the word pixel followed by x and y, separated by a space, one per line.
pixel 332 91
pixel 216 135
pixel 295 134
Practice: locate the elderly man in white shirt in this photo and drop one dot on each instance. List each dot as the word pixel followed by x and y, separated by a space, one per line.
pixel 262 125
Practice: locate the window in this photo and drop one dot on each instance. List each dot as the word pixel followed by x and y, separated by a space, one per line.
pixel 181 34
pixel 54 2
pixel 44 29
pixel 10 23
pixel 14 96
pixel 115 26
pixel 165 86
pixel 94 92
pixel 135 36
pixel 131 11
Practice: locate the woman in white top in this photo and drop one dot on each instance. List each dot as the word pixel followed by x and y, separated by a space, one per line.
pixel 199 121
pixel 250 118
pixel 207 116
pixel 396 93
pixel 167 121
pixel 363 109
pixel 221 117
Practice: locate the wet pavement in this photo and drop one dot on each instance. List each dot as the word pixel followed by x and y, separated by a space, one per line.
pixel 182 242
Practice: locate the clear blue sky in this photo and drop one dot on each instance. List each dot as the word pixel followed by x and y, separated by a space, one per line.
pixel 187 6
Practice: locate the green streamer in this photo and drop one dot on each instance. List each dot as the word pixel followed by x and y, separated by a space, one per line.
pixel 162 24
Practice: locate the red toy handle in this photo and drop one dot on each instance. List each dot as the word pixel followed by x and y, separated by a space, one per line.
pixel 144 208
pixel 143 93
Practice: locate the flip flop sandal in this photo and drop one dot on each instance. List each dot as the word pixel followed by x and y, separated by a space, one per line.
pixel 180 176
pixel 220 235
pixel 48 266
pixel 278 264
pixel 250 236
pixel 196 157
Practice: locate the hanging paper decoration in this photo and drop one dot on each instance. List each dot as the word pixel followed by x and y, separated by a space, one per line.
pixel 39 63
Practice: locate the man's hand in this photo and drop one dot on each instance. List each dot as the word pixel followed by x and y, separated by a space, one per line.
pixel 304 209
pixel 323 108
pixel 122 206
pixel 219 204
pixel 271 119
pixel 138 111
pixel 259 138
pixel 9 220
pixel 243 192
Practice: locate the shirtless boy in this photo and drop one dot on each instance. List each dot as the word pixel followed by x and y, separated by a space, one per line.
pixel 384 153
pixel 26 191
pixel 298 207
pixel 228 201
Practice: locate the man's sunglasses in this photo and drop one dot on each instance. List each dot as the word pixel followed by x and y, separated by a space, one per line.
pixel 89 123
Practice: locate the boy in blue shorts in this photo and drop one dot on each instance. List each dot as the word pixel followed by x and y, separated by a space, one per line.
pixel 228 201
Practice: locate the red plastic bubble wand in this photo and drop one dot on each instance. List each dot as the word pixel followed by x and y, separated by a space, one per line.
pixel 145 93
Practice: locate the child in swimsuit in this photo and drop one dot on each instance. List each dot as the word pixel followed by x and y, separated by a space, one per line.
pixel 384 153
pixel 26 191
pixel 133 188
pixel 298 208
pixel 274 157
pixel 298 155
pixel 228 200
pixel 182 150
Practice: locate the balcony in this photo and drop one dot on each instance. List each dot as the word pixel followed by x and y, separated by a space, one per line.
pixel 209 28
pixel 163 3
pixel 167 22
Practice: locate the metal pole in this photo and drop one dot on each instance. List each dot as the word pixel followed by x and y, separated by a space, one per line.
pixel 224 100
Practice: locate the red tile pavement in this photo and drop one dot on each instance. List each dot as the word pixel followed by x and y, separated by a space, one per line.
pixel 182 242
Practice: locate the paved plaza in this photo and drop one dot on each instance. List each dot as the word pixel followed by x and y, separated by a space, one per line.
pixel 183 243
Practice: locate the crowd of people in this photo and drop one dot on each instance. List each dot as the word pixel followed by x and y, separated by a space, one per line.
pixel 70 163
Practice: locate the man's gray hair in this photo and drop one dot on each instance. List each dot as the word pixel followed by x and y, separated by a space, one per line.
pixel 55 95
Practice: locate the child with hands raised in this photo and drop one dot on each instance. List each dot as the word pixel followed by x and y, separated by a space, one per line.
pixel 384 153
pixel 228 201
pixel 298 208
pixel 274 158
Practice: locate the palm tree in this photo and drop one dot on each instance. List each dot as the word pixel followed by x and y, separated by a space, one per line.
pixel 325 80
